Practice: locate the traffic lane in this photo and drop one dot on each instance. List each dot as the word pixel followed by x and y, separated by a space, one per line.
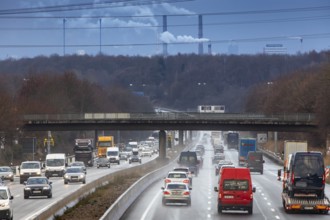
pixel 203 205
pixel 23 209
pixel 149 205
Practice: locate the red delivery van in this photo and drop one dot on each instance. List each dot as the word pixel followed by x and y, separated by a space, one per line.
pixel 235 191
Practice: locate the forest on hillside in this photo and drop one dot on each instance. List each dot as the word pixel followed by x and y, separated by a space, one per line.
pixel 246 83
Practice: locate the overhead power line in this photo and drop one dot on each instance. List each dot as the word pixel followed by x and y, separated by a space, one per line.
pixel 84 6
pixel 238 40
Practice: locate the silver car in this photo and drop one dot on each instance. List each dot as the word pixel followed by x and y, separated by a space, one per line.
pixel 74 174
pixel 6 173
pixel 176 193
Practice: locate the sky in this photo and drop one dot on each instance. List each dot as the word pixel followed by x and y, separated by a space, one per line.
pixel 30 28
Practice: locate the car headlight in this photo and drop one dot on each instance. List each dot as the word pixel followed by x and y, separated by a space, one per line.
pixel 45 188
pixel 66 176
pixel 82 176
pixel 27 188
pixel 10 175
pixel 4 205
pixel 38 172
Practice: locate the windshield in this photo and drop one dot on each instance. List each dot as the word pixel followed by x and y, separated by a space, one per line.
pixel 3 194
pixel 5 169
pixel 74 170
pixel 308 166
pixel 112 153
pixel 30 166
pixel 55 162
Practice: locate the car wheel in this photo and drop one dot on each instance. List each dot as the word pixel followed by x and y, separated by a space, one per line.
pixel 250 210
pixel 118 162
pixel 219 209
pixel 129 162
pixel 50 196
pixel 98 167
pixel 26 197
pixel 65 182
pixel 84 182
pixel 12 180
pixel 164 202
pixel 108 166
pixel 189 202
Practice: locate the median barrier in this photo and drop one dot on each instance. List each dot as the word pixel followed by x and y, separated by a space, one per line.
pixel 272 156
pixel 62 204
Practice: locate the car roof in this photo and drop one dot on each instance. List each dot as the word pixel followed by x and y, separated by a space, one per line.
pixel 37 177
pixel 177 172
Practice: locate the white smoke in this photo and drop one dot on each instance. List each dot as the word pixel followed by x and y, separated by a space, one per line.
pixel 168 37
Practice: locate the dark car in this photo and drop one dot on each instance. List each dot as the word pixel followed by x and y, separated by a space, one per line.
pixel 189 159
pixel 37 186
pixel 255 162
pixel 102 162
pixel 305 174
pixel 134 158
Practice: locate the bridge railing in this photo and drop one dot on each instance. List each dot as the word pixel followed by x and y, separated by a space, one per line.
pixel 170 116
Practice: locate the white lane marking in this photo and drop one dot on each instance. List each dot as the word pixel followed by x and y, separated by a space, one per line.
pixel 209 208
pixel 268 203
pixel 277 217
pixel 263 214
pixel 150 205
pixel 273 210
pixel 208 216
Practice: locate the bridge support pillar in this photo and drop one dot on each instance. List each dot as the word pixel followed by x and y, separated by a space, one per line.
pixel 162 144
pixel 181 138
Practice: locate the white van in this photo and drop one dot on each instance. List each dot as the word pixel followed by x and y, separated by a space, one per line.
pixel 55 165
pixel 29 168
pixel 113 155
pixel 6 206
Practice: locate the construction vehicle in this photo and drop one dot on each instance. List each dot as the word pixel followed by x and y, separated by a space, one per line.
pixel 103 142
pixel 84 151
pixel 304 183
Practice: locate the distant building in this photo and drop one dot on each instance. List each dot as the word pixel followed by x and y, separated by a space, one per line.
pixel 275 49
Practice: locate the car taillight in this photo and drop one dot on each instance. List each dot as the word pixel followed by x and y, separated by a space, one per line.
pixel 323 179
pixel 186 193
pixel 219 195
pixel 251 196
pixel 185 181
pixel 167 180
pixel 167 193
pixel 292 178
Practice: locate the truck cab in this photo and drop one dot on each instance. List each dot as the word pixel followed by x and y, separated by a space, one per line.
pixel 55 165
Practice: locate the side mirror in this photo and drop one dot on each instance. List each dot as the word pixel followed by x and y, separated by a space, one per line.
pixel 279 174
pixel 216 189
pixel 190 188
pixel 253 189
pixel 162 187
pixel 50 183
pixel 43 165
pixel 11 197
pixel 263 161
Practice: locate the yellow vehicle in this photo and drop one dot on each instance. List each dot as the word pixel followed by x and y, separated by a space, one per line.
pixel 103 142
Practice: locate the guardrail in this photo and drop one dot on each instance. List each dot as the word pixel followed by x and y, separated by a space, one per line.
pixel 307 117
pixel 272 156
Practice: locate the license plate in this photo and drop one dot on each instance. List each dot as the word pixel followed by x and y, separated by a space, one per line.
pixel 308 208
pixel 36 191
pixel 176 193
pixel 229 197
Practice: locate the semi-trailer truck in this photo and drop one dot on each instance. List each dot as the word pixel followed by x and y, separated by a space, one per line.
pixel 245 146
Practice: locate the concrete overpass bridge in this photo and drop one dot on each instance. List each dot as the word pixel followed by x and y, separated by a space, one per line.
pixel 169 121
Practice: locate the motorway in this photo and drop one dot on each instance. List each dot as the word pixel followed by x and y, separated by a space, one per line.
pixel 267 199
pixel 25 209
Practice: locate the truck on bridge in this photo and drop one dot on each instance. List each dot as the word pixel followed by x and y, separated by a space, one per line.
pixel 84 151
